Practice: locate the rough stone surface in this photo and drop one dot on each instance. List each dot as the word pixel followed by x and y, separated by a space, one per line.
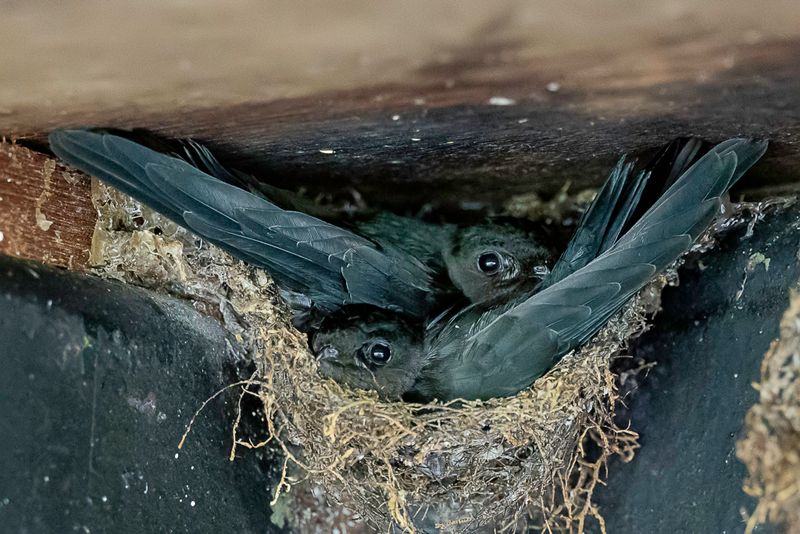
pixel 708 344
pixel 99 382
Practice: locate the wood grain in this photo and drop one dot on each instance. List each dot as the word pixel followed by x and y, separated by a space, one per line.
pixel 46 212
pixel 453 106
pixel 424 142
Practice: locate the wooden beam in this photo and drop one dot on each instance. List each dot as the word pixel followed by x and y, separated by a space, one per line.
pixel 46 213
pixel 404 144
pixel 460 106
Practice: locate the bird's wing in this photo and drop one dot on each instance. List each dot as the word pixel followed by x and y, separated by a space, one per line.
pixel 512 347
pixel 623 200
pixel 331 265
pixel 600 224
pixel 669 164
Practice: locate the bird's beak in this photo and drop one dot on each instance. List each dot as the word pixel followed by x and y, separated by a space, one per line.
pixel 327 353
pixel 540 271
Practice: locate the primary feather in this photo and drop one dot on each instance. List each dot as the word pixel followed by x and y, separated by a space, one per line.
pixel 483 354
pixel 621 202
pixel 600 224
pixel 332 266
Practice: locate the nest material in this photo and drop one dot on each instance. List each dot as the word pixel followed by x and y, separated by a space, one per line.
pixel 458 467
pixel 502 464
pixel 771 446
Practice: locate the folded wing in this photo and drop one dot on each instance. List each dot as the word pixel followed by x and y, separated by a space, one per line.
pixel 333 266
pixel 509 349
pixel 623 200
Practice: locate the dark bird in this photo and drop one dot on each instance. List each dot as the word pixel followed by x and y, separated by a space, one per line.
pixel 486 262
pixel 484 351
pixel 503 258
pixel 328 266
pixel 371 291
pixel 353 347
pixel 450 263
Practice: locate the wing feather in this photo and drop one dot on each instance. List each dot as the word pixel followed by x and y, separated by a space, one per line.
pixel 331 265
pixel 518 343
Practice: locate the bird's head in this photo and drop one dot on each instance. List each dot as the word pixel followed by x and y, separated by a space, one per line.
pixel 494 260
pixel 370 350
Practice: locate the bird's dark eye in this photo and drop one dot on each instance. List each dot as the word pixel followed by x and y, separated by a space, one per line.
pixel 379 352
pixel 490 263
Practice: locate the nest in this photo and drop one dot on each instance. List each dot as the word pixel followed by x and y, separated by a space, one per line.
pixel 771 446
pixel 506 464
pixel 457 467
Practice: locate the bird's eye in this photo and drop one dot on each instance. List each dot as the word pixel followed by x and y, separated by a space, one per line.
pixel 490 263
pixel 379 352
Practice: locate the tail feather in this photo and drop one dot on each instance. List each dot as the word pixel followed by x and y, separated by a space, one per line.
pixel 624 210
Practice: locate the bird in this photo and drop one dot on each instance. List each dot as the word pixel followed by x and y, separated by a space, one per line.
pixel 351 280
pixel 483 352
pixel 501 257
pixel 483 262
pixel 326 267
pixel 351 348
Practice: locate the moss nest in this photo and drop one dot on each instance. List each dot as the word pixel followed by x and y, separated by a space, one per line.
pixel 771 446
pixel 531 459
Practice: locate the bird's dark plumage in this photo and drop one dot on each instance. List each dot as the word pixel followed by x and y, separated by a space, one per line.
pixel 374 298
pixel 482 353
pixel 491 351
pixel 332 266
